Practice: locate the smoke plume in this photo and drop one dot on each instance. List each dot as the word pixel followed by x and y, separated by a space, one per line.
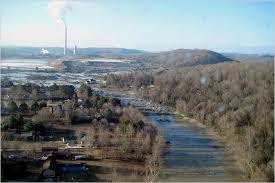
pixel 59 9
pixel 44 51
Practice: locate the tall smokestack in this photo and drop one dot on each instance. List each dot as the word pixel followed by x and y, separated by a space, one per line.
pixel 60 10
pixel 74 49
pixel 65 46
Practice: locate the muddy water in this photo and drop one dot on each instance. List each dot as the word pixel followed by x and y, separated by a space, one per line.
pixel 193 153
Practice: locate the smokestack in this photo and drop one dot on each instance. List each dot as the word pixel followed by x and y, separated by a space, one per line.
pixel 74 49
pixel 65 46
pixel 60 10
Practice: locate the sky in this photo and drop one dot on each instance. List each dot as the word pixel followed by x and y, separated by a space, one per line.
pixel 151 25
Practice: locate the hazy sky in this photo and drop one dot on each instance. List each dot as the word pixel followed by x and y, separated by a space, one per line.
pixel 152 25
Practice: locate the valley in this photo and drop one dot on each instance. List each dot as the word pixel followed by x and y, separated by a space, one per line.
pixel 80 95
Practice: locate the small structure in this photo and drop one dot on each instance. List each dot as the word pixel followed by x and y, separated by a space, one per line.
pixel 54 104
pixel 71 142
pixel 80 157
pixel 104 82
pixel 90 81
pixel 27 135
pixel 74 145
pixel 55 108
pixel 12 134
pixel 69 139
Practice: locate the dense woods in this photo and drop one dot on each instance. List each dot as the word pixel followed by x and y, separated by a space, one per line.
pixel 36 92
pixel 235 99
pixel 136 79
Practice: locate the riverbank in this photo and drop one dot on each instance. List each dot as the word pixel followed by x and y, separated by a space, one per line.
pixel 195 153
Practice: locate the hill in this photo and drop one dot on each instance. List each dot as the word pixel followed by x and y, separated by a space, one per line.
pixel 166 59
pixel 182 58
pixel 250 57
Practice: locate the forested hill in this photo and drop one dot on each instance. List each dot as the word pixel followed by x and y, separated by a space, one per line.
pixel 182 57
pixel 235 99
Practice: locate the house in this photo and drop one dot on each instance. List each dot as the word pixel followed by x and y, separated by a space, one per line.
pixel 55 108
pixel 104 82
pixel 23 135
pixel 90 81
pixel 74 145
pixel 80 157
pixel 69 139
pixel 27 135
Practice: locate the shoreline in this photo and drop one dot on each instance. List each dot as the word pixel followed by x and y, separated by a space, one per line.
pixel 209 131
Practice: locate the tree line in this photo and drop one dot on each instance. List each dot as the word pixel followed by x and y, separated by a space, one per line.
pixel 236 99
pixel 35 92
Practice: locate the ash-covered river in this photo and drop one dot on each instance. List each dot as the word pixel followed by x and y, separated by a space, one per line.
pixel 194 153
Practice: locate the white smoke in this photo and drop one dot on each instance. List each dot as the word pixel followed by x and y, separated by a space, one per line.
pixel 59 10
pixel 44 51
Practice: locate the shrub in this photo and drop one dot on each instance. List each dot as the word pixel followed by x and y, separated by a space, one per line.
pixel 39 127
pixel 85 91
pixel 42 104
pixel 12 107
pixel 23 108
pixel 44 115
pixel 13 121
pixel 28 126
pixel 87 104
pixel 35 107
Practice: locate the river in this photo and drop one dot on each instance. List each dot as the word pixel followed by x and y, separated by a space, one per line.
pixel 194 153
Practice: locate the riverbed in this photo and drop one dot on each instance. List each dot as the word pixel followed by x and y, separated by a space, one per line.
pixel 194 152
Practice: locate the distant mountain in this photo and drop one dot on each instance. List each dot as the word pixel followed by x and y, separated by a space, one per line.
pixel 56 52
pixel 250 57
pixel 120 52
pixel 182 58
